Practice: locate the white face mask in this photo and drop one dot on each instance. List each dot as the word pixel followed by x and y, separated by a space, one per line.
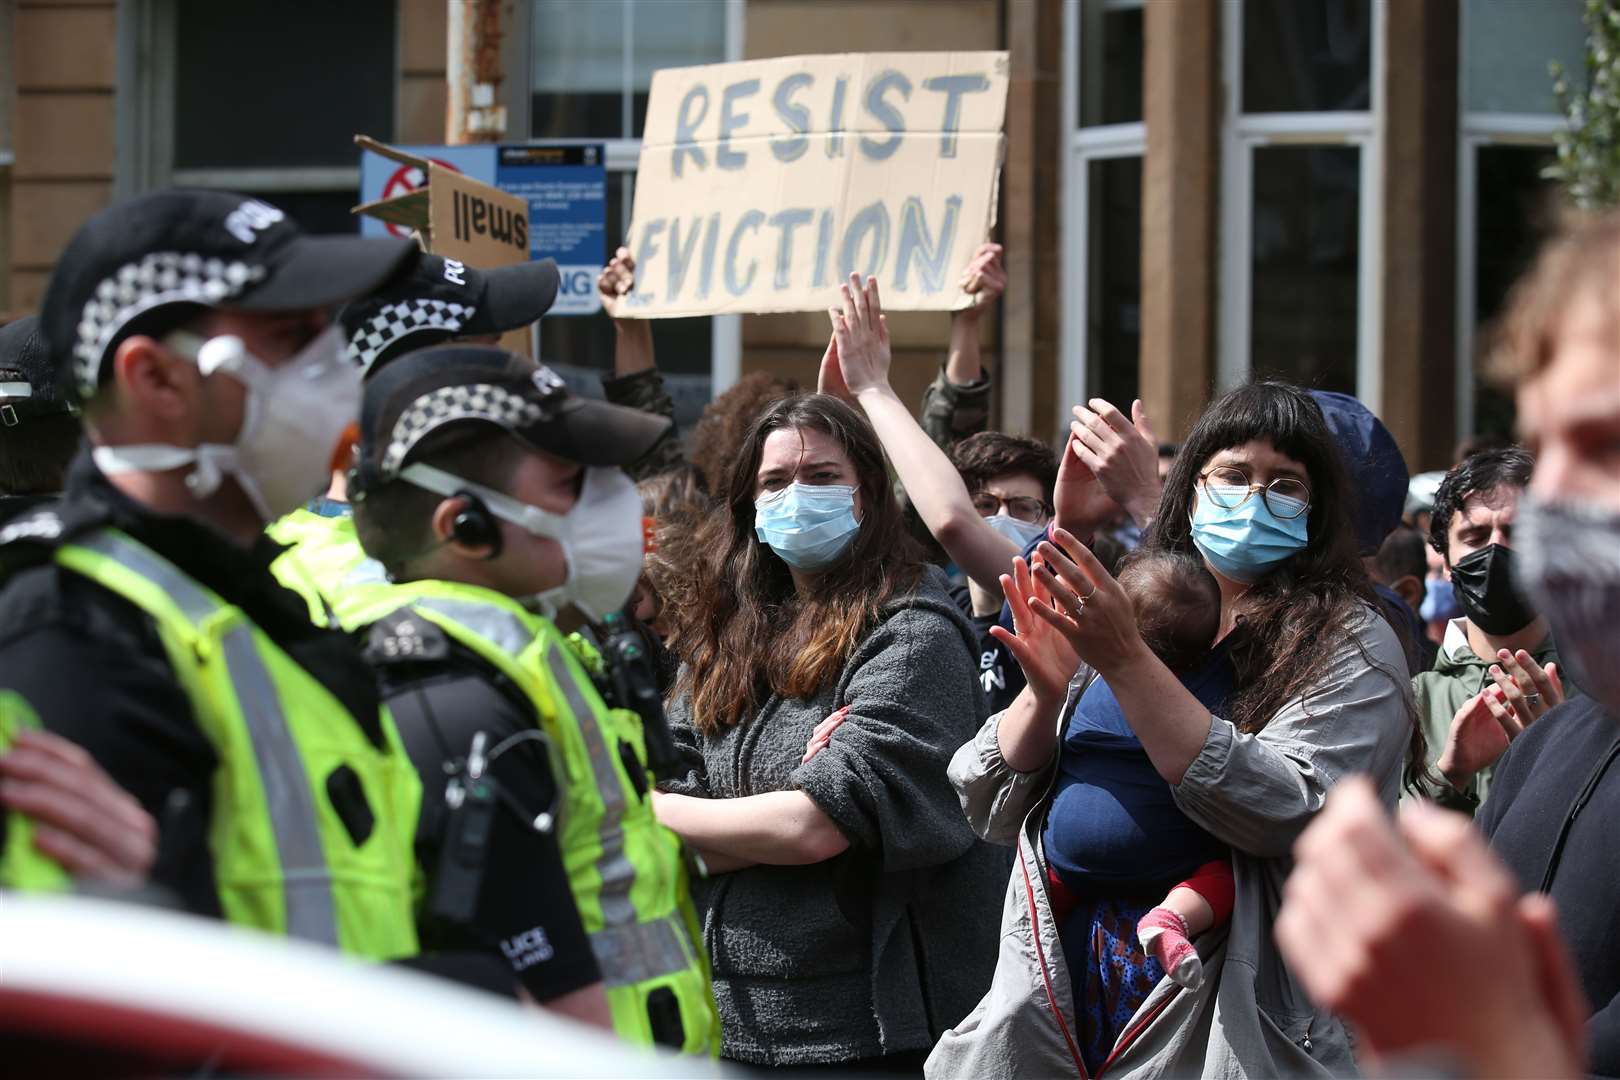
pixel 600 537
pixel 295 415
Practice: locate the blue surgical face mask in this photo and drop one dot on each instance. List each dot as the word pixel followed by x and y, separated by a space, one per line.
pixel 1019 532
pixel 1245 542
pixel 808 525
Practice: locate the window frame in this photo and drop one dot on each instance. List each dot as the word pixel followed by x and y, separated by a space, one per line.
pixel 144 124
pixel 1476 131
pixel 1081 147
pixel 623 157
pixel 1241 135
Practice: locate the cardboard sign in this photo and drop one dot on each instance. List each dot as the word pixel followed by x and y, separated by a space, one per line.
pixel 458 217
pixel 383 178
pixel 763 184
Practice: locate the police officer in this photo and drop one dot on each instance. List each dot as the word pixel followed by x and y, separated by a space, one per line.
pixel 139 618
pixel 441 299
pixel 489 493
pixel 39 431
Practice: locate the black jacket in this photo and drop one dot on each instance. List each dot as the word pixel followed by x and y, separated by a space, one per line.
pixel 440 696
pixel 1551 816
pixel 92 666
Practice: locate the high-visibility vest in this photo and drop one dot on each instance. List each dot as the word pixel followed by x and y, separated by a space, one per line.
pixel 626 871
pixel 324 555
pixel 284 861
pixel 22 865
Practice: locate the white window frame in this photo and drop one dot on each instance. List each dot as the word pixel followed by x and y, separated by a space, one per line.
pixel 1474 131
pixel 1081 147
pixel 1242 135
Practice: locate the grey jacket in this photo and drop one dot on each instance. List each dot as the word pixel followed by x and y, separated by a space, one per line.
pixel 879 949
pixel 1256 793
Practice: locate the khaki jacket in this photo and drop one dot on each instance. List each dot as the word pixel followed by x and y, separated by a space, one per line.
pixel 1255 792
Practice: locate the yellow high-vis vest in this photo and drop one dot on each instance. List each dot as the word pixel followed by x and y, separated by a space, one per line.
pixel 627 872
pixel 284 861
pixel 324 555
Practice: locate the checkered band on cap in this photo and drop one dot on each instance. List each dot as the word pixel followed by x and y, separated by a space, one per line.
pixel 163 277
pixel 396 320
pixel 431 411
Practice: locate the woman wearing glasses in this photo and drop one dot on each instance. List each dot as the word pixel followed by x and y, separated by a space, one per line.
pixel 1306 684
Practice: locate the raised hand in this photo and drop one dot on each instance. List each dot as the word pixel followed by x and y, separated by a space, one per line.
pixel 1419 937
pixel 616 281
pixel 1088 607
pixel 1123 454
pixel 984 278
pixel 1527 689
pixel 1048 660
pixel 830 377
pixel 861 335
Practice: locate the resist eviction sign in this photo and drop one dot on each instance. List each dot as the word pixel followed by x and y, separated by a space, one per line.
pixel 763 184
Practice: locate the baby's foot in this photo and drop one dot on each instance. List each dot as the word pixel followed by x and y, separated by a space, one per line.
pixel 1163 933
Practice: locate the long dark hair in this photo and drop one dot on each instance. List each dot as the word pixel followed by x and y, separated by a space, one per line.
pixel 742 630
pixel 1294 619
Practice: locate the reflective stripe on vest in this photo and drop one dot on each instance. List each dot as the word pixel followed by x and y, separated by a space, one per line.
pixel 627 950
pixel 307 885
pixel 643 951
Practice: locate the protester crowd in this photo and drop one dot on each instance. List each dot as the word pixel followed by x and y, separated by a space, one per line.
pixel 821 735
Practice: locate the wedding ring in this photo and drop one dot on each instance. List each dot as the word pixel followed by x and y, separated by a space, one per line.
pixel 1532 699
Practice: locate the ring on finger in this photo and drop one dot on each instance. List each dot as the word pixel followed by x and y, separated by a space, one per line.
pixel 1532 699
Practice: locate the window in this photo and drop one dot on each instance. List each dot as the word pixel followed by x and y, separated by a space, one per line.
pixel 1300 194
pixel 590 67
pixel 203 111
pixel 1509 117
pixel 1102 250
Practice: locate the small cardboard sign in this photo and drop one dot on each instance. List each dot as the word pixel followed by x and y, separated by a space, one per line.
pixel 762 184
pixel 459 218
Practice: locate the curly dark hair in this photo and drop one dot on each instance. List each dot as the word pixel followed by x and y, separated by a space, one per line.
pixel 989 454
pixel 1295 618
pixel 1484 472
pixel 726 421
pixel 744 632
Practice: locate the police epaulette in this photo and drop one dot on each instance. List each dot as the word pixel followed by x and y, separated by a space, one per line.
pixel 405 637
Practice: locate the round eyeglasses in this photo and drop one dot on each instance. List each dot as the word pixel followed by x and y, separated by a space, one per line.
pixel 1228 486
pixel 1020 507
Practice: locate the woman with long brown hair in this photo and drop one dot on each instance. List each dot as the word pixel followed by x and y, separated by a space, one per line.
pixel 850 911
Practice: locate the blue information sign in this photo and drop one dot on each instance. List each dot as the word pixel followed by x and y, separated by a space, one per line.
pixel 566 187
pixel 567 191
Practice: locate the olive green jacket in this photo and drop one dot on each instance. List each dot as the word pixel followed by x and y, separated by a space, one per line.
pixel 1458 675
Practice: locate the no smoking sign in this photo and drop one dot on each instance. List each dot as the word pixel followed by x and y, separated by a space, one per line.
pixel 405 179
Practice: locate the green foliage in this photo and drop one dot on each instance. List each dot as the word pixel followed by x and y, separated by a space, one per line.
pixel 1588 162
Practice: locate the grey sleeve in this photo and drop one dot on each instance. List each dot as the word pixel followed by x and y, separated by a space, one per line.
pixel 1258 791
pixel 913 697
pixel 692 777
pixel 996 797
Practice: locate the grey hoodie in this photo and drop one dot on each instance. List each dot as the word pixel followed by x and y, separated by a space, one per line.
pixel 878 950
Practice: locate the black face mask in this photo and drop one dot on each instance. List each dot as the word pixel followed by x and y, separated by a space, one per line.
pixel 1483 581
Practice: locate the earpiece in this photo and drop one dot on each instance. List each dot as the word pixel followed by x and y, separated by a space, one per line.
pixel 475 526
